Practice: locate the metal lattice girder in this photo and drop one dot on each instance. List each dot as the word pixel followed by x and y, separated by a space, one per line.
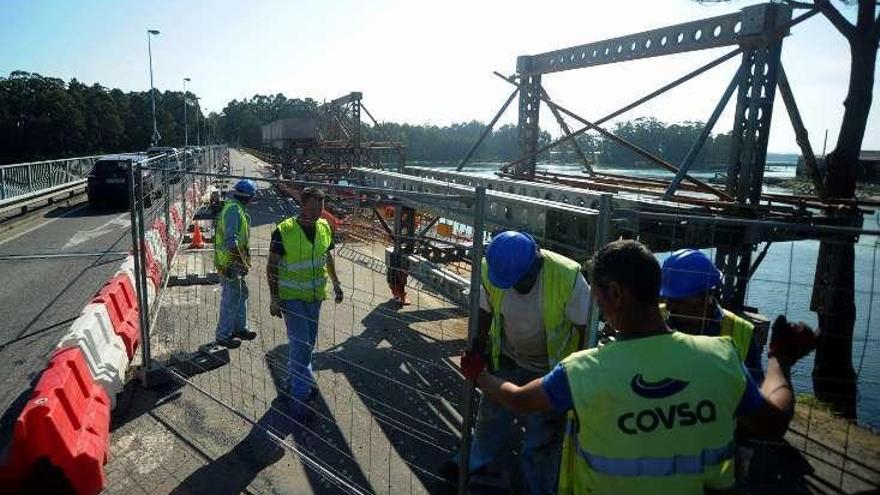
pixel 742 28
pixel 564 227
pixel 528 128
pixel 554 192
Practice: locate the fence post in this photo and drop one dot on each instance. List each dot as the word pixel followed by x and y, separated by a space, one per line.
pixel 166 198
pixel 146 354
pixel 183 181
pixel 600 240
pixel 473 333
pixel 3 183
pixel 29 187
pixel 137 243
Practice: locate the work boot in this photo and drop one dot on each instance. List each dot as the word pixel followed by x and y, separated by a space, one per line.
pixel 229 343
pixel 244 334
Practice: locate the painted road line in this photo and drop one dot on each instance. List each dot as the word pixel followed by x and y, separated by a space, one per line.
pixel 119 222
pixel 41 225
pixel 41 256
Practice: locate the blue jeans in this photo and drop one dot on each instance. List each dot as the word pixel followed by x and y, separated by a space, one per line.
pixel 542 445
pixel 233 306
pixel 301 320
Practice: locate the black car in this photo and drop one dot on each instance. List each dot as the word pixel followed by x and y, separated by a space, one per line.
pixel 108 181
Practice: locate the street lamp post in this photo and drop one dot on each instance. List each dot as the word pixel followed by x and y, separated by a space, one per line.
pixel 156 137
pixel 198 122
pixel 185 126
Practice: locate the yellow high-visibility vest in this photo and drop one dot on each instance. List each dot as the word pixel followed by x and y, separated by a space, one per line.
pixel 558 276
pixel 652 415
pixel 302 274
pixel 222 254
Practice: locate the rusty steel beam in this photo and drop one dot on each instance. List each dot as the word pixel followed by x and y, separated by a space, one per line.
pixel 800 132
pixel 648 97
pixel 487 130
pixel 626 144
pixel 704 134
pixel 731 29
pixel 588 167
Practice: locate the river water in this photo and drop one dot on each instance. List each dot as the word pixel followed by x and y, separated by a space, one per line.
pixel 783 285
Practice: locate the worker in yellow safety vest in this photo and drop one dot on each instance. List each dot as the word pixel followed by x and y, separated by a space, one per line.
pixel 533 311
pixel 300 261
pixel 232 260
pixel 654 410
pixel 687 293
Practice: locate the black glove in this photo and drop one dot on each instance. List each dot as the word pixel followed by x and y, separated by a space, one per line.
pixel 791 341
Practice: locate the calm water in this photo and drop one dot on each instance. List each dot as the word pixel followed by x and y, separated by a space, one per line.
pixel 783 285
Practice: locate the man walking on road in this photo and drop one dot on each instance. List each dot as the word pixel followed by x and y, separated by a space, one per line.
pixel 533 313
pixel 300 260
pixel 232 261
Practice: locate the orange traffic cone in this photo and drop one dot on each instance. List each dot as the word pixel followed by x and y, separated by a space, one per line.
pixel 197 241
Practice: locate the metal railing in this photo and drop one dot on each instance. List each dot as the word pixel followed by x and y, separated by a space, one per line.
pixel 21 179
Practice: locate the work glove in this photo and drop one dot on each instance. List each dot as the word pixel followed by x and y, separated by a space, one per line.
pixel 472 364
pixel 337 291
pixel 791 341
pixel 275 308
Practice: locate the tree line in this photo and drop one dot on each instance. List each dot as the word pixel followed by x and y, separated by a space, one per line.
pixel 45 117
pixel 241 120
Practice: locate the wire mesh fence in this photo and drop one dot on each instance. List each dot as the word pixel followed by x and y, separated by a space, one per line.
pixel 385 407
pixel 831 445
pixel 387 404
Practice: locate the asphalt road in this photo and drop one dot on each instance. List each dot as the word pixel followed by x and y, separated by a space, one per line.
pixel 51 264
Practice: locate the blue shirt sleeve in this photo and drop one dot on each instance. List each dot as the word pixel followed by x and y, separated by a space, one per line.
pixel 753 361
pixel 555 385
pixel 231 237
pixel 751 401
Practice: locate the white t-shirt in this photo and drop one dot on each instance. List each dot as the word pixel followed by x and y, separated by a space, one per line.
pixel 524 338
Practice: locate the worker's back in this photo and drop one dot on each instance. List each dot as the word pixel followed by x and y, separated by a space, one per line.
pixel 656 415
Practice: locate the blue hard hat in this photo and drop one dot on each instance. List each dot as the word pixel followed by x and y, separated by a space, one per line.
pixel 509 256
pixel 686 273
pixel 246 187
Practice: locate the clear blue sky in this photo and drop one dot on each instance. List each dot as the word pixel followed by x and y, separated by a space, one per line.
pixel 415 61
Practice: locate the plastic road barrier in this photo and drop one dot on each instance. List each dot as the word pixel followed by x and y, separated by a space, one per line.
pixel 103 350
pixel 67 421
pixel 118 295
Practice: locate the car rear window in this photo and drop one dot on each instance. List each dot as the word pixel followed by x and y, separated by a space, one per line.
pixel 110 168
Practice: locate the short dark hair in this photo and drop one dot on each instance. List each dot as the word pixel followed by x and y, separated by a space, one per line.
pixel 313 193
pixel 630 264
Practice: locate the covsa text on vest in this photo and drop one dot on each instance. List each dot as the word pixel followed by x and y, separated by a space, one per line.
pixel 681 415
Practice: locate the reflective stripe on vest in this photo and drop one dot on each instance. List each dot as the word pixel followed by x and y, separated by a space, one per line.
pixel 656 466
pixel 302 273
pixel 660 419
pixel 222 255
pixel 558 276
pixel 300 265
pixel 739 330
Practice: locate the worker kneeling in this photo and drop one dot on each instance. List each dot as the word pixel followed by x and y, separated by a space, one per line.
pixel 655 410
pixel 533 312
